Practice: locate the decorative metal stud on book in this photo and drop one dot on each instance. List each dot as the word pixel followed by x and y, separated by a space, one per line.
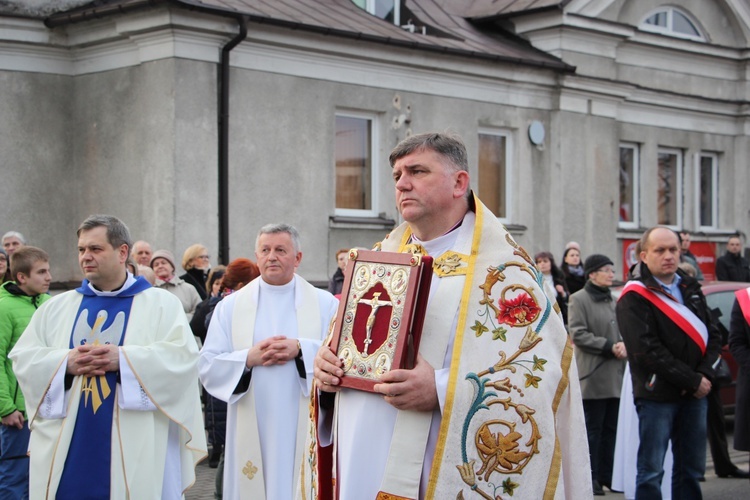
pixel 381 313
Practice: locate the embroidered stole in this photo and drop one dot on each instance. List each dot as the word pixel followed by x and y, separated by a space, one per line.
pixel 679 314
pixel 509 378
pixel 743 299
pixel 248 455
pixel 100 320
pixel 403 471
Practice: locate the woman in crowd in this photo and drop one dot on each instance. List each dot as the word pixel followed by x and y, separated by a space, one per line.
pixel 196 262
pixel 213 289
pixel 601 356
pixel 554 280
pixel 573 270
pixel 238 273
pixel 4 267
pixel 162 262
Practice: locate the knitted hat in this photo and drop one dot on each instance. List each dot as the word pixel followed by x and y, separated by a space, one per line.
pixel 162 254
pixel 595 262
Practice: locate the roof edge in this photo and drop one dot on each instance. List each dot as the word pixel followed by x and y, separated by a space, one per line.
pixel 96 12
pixel 85 13
pixel 536 10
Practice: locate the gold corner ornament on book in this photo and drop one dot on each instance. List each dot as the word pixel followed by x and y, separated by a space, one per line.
pixel 381 313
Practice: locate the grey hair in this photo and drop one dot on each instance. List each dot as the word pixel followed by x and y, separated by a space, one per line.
pixel 448 145
pixel 280 228
pixel 14 234
pixel 118 233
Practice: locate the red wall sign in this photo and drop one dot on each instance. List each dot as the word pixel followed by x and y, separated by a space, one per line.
pixel 705 254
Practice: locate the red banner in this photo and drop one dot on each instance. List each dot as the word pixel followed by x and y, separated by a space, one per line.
pixel 705 254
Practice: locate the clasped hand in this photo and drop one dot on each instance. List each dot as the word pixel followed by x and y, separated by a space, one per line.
pixel 403 389
pixel 272 351
pixel 93 359
pixel 619 350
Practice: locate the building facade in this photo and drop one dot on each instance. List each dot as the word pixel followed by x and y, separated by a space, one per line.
pixel 584 120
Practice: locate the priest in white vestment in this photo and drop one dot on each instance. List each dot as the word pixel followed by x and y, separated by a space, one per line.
pixel 492 407
pixel 258 357
pixel 109 371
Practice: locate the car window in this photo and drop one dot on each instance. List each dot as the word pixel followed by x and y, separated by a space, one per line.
pixel 724 302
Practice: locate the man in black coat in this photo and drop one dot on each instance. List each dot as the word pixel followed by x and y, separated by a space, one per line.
pixel 732 266
pixel 739 345
pixel 672 345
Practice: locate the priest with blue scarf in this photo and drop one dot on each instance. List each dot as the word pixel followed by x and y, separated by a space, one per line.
pixel 109 372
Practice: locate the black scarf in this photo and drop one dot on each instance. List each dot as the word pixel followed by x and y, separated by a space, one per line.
pixel 598 293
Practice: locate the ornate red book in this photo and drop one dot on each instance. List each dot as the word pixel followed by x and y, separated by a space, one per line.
pixel 381 313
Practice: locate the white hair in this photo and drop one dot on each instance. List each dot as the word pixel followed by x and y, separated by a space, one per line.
pixel 14 234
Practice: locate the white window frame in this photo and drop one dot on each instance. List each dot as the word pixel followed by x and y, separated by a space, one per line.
pixel 370 8
pixel 679 194
pixel 636 182
pixel 374 163
pixel 668 30
pixel 509 178
pixel 714 191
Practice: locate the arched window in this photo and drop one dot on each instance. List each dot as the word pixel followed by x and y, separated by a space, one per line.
pixel 671 21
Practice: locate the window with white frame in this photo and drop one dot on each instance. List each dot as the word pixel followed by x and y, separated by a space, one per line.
pixel 672 21
pixel 669 187
pixel 354 158
pixel 389 10
pixel 706 185
pixel 629 195
pixel 494 186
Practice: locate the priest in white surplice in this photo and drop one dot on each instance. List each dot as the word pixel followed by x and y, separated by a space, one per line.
pixel 109 372
pixel 258 358
pixel 492 407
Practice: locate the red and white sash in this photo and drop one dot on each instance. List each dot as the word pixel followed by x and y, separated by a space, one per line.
pixel 679 314
pixel 743 298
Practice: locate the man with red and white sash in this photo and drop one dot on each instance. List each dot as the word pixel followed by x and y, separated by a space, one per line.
pixel 673 348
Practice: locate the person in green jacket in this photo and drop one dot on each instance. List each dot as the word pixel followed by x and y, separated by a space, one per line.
pixel 19 299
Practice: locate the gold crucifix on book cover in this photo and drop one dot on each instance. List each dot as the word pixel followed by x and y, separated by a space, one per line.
pixel 380 314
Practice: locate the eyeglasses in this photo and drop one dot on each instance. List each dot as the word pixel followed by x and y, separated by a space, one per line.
pixel 204 257
pixel 606 269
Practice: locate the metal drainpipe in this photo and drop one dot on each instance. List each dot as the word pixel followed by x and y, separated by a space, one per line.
pixel 224 140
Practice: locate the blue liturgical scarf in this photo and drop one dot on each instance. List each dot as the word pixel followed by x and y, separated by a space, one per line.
pixel 101 319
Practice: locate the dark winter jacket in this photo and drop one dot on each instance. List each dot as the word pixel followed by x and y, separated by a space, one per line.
pixel 732 267
pixel 665 364
pixel 197 278
pixel 573 281
pixel 336 283
pixel 198 323
pixel 739 345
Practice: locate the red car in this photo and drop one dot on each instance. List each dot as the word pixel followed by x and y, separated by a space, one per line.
pixel 720 297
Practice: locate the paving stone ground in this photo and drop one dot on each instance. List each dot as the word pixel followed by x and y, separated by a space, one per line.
pixel 713 489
